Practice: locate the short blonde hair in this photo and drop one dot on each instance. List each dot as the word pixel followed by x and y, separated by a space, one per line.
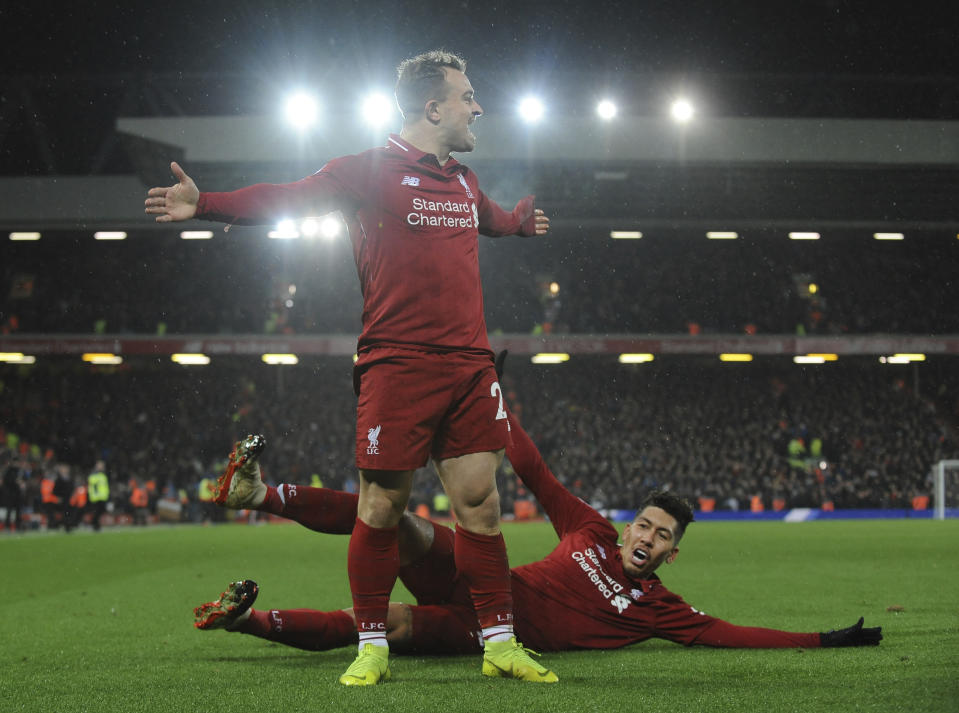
pixel 421 78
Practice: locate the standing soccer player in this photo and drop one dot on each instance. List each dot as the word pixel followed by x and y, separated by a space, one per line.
pixel 425 378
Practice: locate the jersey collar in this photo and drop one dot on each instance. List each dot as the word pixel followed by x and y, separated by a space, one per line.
pixel 399 145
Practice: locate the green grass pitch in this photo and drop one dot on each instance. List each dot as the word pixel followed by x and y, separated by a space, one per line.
pixel 103 622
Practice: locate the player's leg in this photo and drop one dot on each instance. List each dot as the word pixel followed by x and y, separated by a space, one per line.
pixel 480 554
pixel 307 629
pixel 467 451
pixel 372 566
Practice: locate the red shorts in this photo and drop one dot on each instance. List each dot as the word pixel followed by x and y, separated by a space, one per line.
pixel 414 405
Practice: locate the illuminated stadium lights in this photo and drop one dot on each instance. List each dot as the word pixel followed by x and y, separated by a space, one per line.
pixel 330 227
pixel 301 110
pixel 24 236
pixel 635 358
pixel 554 288
pixel 377 109
pixel 815 358
pixel 196 234
pixel 309 227
pixel 813 288
pixel 531 110
pixel 191 359
pixel 109 235
pixel 722 235
pixel 682 111
pixel 549 358
pixel 911 357
pixel 625 234
pixel 95 358
pixel 606 110
pixel 888 236
pixel 275 359
pixel 285 230
pixel 17 358
pixel 804 236
pixel 735 357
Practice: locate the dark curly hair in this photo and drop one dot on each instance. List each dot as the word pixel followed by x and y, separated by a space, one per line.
pixel 673 504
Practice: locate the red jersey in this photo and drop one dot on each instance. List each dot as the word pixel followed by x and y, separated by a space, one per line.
pixel 579 597
pixel 413 225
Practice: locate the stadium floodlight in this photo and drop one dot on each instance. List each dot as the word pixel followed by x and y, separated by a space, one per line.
pixel 722 235
pixel 682 111
pixel 377 109
pixel 730 357
pixel 191 359
pixel 808 359
pixel 531 110
pixel 330 227
pixel 285 230
pixel 23 235
pixel 911 357
pixel 625 234
pixel 549 358
pixel 635 358
pixel 196 234
pixel 606 110
pixel 301 110
pixel 825 357
pixel 276 359
pixel 888 236
pixel 309 227
pixel 109 235
pixel 803 236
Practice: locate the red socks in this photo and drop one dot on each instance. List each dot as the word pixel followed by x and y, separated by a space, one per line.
pixel 373 563
pixel 482 559
pixel 320 509
pixel 302 628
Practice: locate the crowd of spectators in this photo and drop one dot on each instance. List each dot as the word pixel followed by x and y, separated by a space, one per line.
pixel 732 437
pixel 673 283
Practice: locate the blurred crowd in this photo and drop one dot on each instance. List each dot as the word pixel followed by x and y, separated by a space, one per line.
pixel 577 283
pixel 728 437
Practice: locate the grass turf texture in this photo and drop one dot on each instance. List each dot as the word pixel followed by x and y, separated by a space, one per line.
pixel 104 623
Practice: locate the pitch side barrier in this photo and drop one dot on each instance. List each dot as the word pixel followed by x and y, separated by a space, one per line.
pixel 799 515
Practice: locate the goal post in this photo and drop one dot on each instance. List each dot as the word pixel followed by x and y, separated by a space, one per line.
pixel 939 486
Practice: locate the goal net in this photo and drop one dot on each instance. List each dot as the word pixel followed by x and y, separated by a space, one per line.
pixel 945 476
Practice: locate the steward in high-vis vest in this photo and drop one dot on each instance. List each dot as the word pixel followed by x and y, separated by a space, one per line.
pixel 98 493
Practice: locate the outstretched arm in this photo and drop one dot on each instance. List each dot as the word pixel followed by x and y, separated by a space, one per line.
pixel 337 186
pixel 679 622
pixel 525 219
pixel 565 510
pixel 173 203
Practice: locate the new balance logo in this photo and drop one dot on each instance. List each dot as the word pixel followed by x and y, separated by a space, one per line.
pixel 373 435
pixel 620 602
pixel 412 181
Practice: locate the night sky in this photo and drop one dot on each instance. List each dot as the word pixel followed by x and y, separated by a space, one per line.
pixel 819 58
pixel 817 36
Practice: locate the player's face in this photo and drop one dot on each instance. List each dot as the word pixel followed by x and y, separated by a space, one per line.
pixel 648 541
pixel 458 111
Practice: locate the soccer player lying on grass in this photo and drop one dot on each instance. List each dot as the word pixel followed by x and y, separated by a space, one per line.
pixel 593 591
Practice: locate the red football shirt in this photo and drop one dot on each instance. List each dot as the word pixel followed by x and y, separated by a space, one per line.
pixel 413 225
pixel 580 597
